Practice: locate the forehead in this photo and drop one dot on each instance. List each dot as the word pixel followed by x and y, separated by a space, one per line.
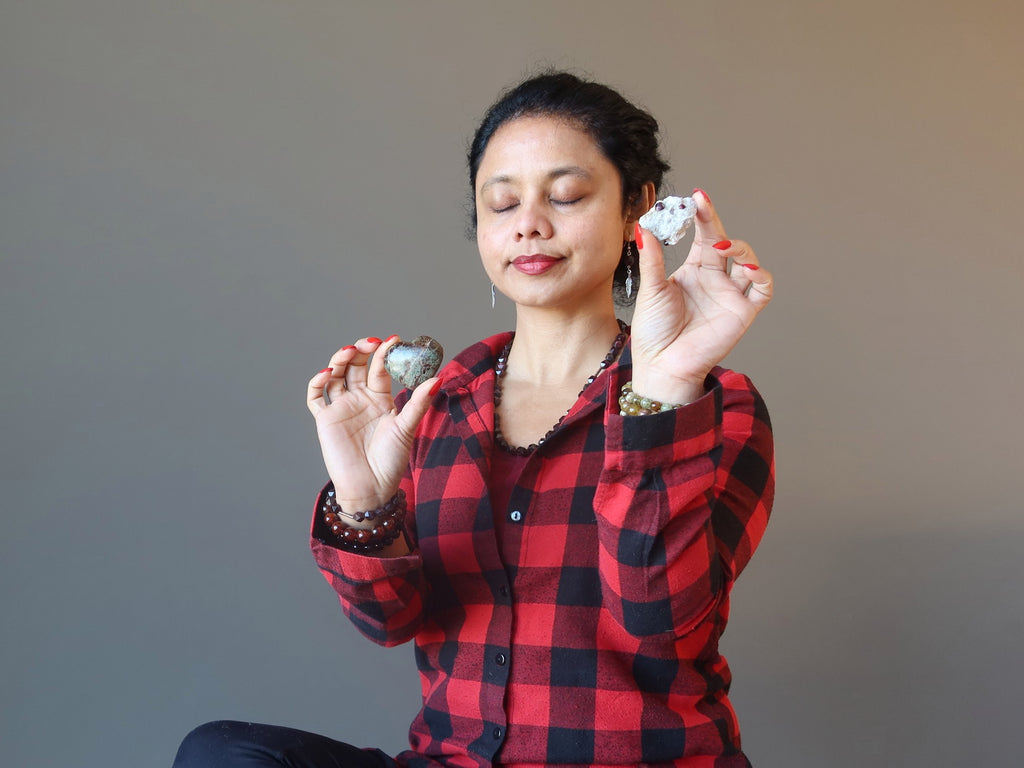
pixel 531 146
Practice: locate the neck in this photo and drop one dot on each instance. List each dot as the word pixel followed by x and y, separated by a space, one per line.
pixel 557 351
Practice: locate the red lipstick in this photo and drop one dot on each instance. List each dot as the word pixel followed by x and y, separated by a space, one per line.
pixel 534 263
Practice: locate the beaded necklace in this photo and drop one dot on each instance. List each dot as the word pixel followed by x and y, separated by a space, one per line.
pixel 501 366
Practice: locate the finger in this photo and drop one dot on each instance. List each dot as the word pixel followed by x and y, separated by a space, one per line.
pixel 338 367
pixel 651 261
pixel 341 359
pixel 762 286
pixel 316 391
pixel 709 238
pixel 742 256
pixel 377 378
pixel 356 371
pixel 707 226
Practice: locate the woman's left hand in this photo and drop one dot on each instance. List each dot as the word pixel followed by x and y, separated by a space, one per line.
pixel 686 323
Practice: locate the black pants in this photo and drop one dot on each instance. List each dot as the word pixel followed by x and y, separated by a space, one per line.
pixel 230 744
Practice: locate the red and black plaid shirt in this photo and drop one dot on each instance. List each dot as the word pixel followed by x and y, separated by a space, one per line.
pixel 594 641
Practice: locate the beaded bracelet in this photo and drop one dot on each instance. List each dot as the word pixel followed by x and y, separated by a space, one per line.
pixel 632 404
pixel 390 523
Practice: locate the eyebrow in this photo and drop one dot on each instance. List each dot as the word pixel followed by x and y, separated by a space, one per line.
pixel 554 173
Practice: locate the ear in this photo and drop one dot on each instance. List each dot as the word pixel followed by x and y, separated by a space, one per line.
pixel 650 197
pixel 643 203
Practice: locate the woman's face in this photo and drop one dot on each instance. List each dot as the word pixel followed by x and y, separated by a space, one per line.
pixel 550 224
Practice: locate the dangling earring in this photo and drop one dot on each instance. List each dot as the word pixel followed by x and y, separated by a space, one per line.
pixel 492 295
pixel 629 269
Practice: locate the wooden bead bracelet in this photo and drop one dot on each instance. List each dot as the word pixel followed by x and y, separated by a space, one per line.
pixel 389 522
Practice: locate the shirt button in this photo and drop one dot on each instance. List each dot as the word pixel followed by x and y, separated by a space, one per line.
pixel 516 516
pixel 503 590
pixel 501 659
pixel 496 733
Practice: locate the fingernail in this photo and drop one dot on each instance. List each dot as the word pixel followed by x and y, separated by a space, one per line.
pixel 437 387
pixel 698 189
pixel 638 235
pixel 751 266
pixel 723 245
pixel 389 338
pixel 373 339
pixel 325 370
pixel 350 346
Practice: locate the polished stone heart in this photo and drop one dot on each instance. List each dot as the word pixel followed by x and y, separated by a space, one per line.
pixel 410 363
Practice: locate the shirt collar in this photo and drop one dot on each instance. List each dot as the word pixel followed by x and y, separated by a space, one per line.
pixel 473 368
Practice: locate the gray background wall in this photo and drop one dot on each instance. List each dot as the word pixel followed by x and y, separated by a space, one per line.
pixel 197 206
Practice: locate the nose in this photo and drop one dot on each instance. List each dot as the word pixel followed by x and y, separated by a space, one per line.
pixel 532 221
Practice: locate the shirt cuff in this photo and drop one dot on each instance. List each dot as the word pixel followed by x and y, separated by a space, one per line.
pixel 663 439
pixel 355 566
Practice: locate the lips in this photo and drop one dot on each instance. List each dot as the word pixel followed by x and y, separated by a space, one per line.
pixel 534 264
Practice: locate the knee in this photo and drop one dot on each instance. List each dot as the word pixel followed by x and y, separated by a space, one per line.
pixel 209 745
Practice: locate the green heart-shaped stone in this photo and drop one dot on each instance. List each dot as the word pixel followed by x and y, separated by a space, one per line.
pixel 410 363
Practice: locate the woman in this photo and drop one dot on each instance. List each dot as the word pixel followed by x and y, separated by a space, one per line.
pixel 564 569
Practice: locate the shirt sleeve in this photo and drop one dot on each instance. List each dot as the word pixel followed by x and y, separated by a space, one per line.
pixel 383 596
pixel 683 501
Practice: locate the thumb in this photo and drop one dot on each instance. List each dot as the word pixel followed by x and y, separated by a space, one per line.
pixel 416 408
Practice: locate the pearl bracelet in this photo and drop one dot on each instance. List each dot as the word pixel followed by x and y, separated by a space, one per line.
pixel 632 404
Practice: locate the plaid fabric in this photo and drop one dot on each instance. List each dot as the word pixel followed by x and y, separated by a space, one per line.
pixel 597 642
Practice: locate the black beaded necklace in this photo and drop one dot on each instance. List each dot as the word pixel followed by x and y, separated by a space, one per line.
pixel 501 366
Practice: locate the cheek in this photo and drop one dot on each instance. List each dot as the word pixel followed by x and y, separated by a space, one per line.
pixel 601 243
pixel 490 253
pixel 491 233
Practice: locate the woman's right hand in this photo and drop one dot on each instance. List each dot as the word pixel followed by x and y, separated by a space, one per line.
pixel 365 441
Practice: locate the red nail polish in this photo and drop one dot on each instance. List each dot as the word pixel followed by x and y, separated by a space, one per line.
pixel 389 338
pixel 638 235
pixel 723 245
pixel 751 266
pixel 698 189
pixel 437 387
pixel 325 370
pixel 373 339
pixel 350 346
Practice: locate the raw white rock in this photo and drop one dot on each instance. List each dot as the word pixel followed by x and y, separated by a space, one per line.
pixel 669 219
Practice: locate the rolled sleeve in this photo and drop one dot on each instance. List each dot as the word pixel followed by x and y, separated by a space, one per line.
pixel 383 596
pixel 635 443
pixel 683 501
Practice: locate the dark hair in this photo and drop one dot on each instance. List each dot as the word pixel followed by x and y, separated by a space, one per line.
pixel 626 134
